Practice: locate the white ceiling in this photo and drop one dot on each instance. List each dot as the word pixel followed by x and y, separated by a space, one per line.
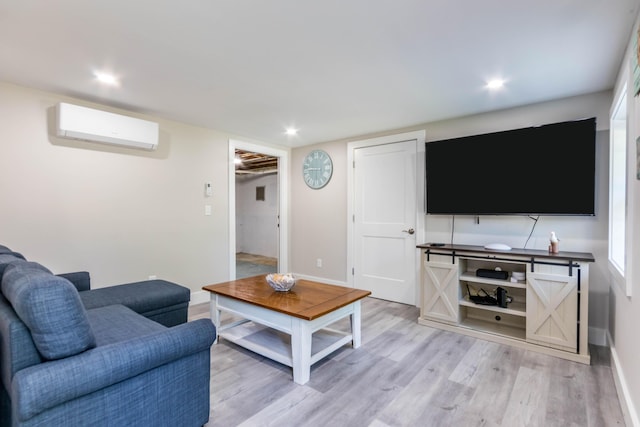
pixel 331 68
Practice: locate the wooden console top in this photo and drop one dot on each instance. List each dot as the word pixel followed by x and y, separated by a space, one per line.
pixel 531 253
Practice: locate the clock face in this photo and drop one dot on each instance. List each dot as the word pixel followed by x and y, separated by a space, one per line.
pixel 317 169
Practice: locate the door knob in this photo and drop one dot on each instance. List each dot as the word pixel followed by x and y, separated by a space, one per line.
pixel 410 231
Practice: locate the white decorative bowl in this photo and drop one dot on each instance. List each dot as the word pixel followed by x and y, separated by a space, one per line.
pixel 281 282
pixel 518 275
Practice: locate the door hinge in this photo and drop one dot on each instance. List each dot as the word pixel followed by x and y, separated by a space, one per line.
pixel 354 164
pixel 353 271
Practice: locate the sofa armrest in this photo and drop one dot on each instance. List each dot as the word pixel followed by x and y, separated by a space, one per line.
pixel 49 384
pixel 80 279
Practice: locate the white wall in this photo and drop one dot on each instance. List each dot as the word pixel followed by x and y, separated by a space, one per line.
pixel 256 221
pixel 319 217
pixel 121 214
pixel 625 311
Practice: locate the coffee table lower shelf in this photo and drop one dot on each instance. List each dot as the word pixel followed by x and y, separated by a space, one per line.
pixel 287 339
pixel 276 345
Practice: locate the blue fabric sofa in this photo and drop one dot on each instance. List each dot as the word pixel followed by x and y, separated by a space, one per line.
pixel 67 360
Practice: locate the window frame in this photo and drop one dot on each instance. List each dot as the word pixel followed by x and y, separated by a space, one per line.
pixel 619 268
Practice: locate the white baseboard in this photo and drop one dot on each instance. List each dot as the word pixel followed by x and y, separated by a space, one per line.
pixel 598 336
pixel 628 410
pixel 199 297
pixel 321 280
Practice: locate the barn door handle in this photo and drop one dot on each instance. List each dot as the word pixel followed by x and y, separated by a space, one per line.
pixel 410 231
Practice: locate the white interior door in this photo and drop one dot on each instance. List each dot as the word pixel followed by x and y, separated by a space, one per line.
pixel 384 216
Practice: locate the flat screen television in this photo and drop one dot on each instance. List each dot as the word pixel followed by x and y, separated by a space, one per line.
pixel 542 170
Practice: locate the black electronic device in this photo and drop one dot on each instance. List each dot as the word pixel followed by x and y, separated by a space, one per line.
pixel 492 274
pixel 550 169
pixel 481 297
pixel 501 297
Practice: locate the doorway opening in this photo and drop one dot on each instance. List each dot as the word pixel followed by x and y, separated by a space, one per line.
pixel 258 222
pixel 256 213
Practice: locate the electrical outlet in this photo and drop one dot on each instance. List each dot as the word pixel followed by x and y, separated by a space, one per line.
pixel 319 263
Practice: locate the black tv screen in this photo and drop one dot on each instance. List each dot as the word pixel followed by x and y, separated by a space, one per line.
pixel 542 170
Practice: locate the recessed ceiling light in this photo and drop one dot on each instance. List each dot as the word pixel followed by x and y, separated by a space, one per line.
pixel 291 131
pixel 106 78
pixel 495 84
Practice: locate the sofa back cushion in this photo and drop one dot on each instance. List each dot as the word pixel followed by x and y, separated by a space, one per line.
pixel 50 307
pixel 4 249
pixel 7 258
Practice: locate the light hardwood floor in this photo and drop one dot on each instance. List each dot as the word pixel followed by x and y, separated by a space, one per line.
pixel 407 374
pixel 256 259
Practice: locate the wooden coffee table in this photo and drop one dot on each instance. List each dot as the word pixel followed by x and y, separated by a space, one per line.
pixel 301 316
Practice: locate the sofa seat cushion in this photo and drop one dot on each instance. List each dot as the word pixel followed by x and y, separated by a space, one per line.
pixel 149 298
pixel 50 307
pixel 116 323
pixel 17 350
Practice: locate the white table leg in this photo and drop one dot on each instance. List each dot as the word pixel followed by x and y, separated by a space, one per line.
pixel 301 350
pixel 355 325
pixel 214 313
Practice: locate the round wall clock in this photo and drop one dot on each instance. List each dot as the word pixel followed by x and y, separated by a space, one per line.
pixel 317 169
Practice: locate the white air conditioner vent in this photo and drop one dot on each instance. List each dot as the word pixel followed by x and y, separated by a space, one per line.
pixel 87 124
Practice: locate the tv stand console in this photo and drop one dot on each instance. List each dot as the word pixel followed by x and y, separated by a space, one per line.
pixel 548 293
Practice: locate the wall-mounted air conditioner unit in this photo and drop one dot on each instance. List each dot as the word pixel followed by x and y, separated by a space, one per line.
pixel 87 124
